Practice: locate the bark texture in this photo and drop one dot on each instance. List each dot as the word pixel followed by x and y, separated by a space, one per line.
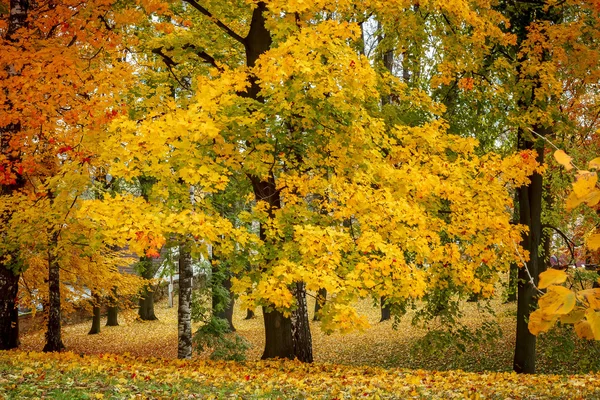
pixel 53 333
pixel 9 313
pixel 278 336
pixel 530 214
pixel 112 313
pixel 184 314
pixel 319 303
pixel 301 335
pixel 146 302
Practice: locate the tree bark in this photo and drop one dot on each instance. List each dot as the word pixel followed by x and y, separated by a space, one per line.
pixel 319 303
pixel 278 335
pixel 96 318
pixel 530 214
pixel 53 333
pixel 112 312
pixel 146 302
pixel 112 316
pixel 9 312
pixel 386 313
pixel 301 335
pixel 184 315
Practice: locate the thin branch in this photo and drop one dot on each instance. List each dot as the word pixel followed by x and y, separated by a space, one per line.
pixel 170 64
pixel 551 144
pixel 570 244
pixel 203 55
pixel 217 22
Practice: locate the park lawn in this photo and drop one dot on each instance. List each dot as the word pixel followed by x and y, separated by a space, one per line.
pixel 72 376
pixel 137 360
pixel 380 345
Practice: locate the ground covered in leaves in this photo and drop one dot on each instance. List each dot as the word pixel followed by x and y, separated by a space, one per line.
pixel 381 361
pixel 69 375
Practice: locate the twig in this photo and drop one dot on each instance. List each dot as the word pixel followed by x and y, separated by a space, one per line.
pixel 531 280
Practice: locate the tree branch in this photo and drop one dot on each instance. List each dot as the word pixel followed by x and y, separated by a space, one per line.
pixel 203 55
pixel 220 24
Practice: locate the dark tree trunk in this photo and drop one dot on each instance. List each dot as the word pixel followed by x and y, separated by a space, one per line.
pixel 146 302
pixel 184 315
pixel 9 272
pixel 278 336
pixel 112 316
pixel 513 277
pixel 300 325
pixel 224 311
pixel 249 314
pixel 386 314
pixel 319 303
pixel 112 312
pixel 9 312
pixel 278 329
pixel 95 319
pixel 530 214
pixel 146 310
pixel 53 334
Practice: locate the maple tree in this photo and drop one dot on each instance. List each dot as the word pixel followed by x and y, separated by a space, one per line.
pixel 295 108
pixel 55 57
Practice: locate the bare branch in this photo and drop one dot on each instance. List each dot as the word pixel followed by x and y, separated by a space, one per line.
pixel 203 55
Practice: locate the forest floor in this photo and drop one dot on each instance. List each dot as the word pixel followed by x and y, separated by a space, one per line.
pixel 381 345
pixel 137 360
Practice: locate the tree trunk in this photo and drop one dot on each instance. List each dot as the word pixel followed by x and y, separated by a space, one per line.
pixel 146 302
pixel 513 278
pixel 249 314
pixel 184 315
pixel 9 312
pixel 278 329
pixel 112 316
pixel 278 335
pixel 112 310
pixel 319 303
pixel 95 320
pixel 9 274
pixel 386 314
pixel 530 214
pixel 300 325
pixel 53 334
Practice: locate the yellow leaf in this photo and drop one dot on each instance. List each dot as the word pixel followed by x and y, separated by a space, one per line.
pixel 593 318
pixel 595 163
pixel 593 241
pixel 563 159
pixel 584 330
pixel 573 201
pixel 539 322
pixel 558 300
pixel 591 296
pixel 551 277
pixel 574 316
pixel 592 198
pixel 586 181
